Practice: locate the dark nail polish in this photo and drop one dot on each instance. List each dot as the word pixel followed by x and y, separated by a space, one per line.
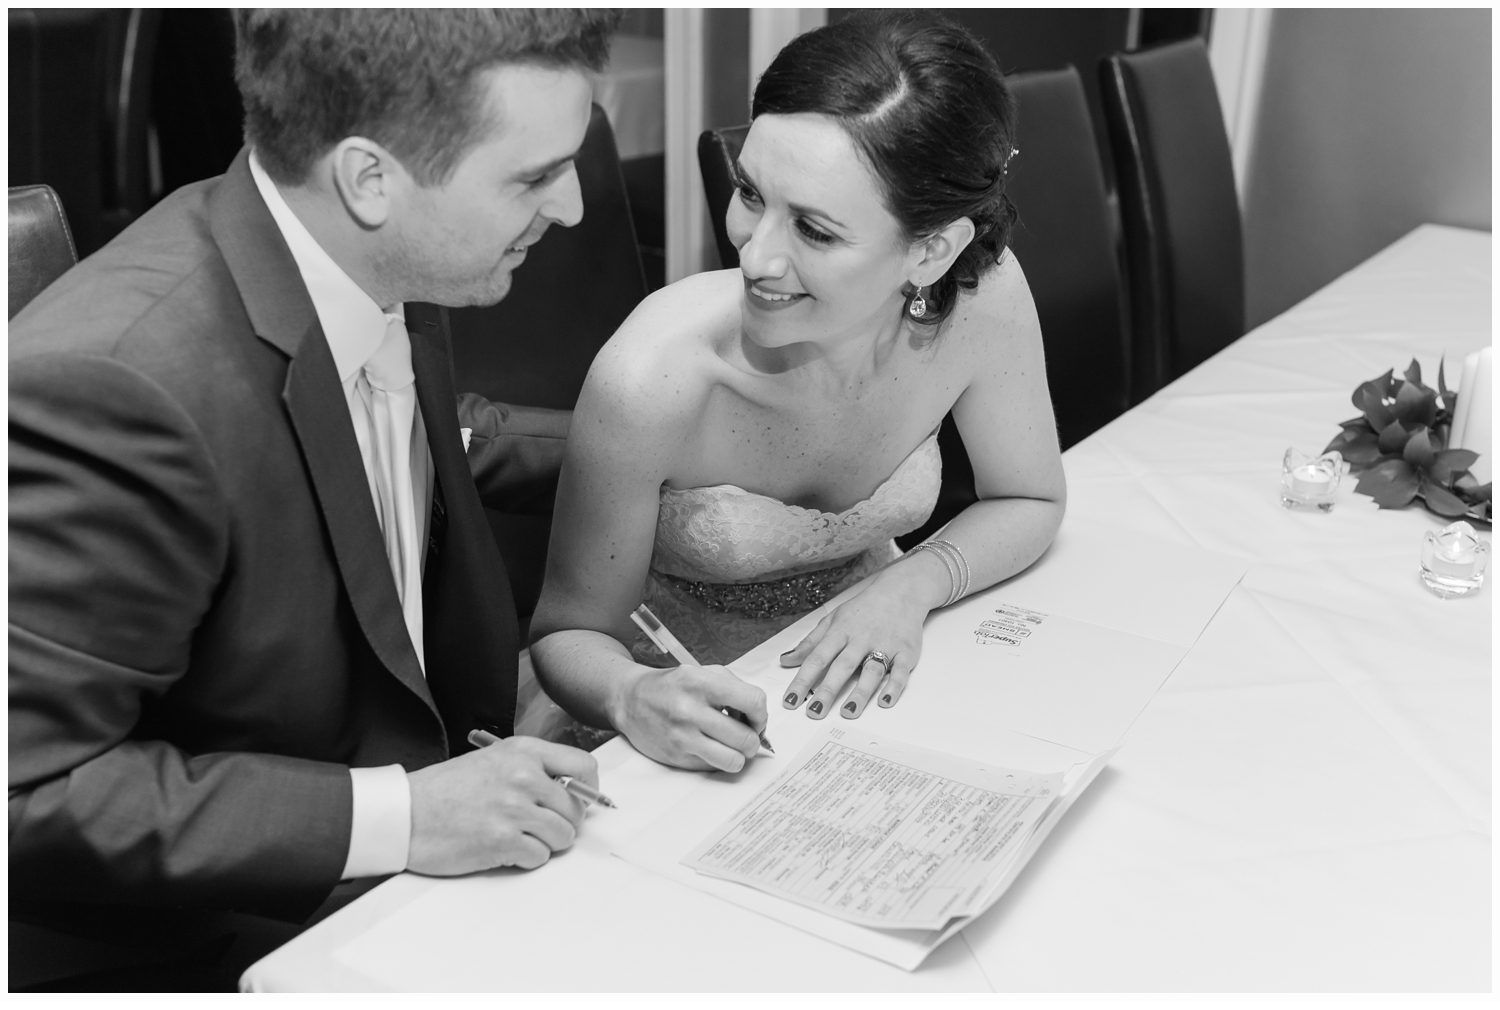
pixel 886 699
pixel 816 708
pixel 850 707
pixel 791 698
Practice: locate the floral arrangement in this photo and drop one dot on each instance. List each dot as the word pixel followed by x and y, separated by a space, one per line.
pixel 1398 447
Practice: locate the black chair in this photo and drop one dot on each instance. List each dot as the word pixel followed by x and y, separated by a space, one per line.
pixel 128 190
pixel 195 104
pixel 534 348
pixel 56 129
pixel 1065 242
pixel 80 83
pixel 39 243
pixel 1177 200
pixel 717 152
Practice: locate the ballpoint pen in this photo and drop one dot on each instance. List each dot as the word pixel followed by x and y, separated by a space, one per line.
pixel 584 791
pixel 668 643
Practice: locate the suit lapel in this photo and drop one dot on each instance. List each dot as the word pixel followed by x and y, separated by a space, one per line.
pixel 471 625
pixel 282 314
pixel 435 396
pixel 315 400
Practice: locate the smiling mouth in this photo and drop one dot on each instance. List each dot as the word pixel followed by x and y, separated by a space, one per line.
pixel 773 297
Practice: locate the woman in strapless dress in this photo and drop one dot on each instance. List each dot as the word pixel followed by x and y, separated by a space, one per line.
pixel 748 444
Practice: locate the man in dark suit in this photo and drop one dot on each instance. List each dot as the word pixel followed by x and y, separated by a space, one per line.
pixel 255 607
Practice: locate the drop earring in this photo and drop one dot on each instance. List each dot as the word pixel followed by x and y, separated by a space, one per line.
pixel 918 307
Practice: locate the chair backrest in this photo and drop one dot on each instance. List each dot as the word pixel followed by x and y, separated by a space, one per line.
pixel 58 66
pixel 717 151
pixel 534 348
pixel 1065 241
pixel 1177 200
pixel 132 39
pixel 39 243
pixel 80 111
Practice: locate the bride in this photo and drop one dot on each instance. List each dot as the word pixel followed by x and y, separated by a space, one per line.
pixel 749 442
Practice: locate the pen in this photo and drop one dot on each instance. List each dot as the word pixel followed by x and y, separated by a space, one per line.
pixel 584 791
pixel 667 642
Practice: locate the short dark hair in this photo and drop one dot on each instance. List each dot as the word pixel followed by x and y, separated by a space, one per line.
pixel 928 109
pixel 408 79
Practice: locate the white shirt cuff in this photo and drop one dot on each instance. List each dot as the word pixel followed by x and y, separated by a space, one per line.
pixel 380 838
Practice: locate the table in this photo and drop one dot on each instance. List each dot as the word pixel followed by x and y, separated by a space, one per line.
pixel 1303 806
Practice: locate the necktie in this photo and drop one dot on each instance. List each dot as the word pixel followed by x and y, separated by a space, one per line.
pixel 386 390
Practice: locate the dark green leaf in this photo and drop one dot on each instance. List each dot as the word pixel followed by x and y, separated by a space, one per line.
pixel 1443 389
pixel 1478 494
pixel 1359 450
pixel 1393 484
pixel 1442 502
pixel 1415 405
pixel 1414 372
pixel 1371 401
pixel 1347 435
pixel 1393 438
pixel 1449 462
pixel 1418 451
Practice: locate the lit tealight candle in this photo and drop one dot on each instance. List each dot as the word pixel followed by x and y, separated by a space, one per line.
pixel 1453 560
pixel 1310 481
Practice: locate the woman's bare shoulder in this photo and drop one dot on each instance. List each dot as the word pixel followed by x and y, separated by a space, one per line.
pixel 656 372
pixel 994 317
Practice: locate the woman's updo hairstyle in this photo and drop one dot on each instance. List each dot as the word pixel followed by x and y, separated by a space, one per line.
pixel 928 109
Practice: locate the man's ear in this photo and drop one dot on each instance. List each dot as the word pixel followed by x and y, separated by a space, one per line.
pixel 937 253
pixel 368 178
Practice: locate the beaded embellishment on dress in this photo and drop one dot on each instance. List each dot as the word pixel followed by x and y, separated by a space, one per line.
pixel 731 568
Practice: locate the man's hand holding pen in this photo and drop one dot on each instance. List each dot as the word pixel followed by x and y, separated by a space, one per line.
pixel 501 805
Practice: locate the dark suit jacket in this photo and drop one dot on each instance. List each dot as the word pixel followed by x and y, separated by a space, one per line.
pixel 204 629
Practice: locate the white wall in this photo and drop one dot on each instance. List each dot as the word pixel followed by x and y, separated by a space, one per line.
pixel 1369 123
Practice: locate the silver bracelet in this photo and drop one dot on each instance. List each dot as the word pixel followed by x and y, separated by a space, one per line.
pixel 953 561
pixel 963 589
pixel 948 566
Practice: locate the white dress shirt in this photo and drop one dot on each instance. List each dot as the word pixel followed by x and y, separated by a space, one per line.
pixel 356 328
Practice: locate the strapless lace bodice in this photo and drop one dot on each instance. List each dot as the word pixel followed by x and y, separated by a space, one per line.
pixel 730 567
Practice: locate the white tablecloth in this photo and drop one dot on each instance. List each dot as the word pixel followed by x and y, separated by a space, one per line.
pixel 1303 806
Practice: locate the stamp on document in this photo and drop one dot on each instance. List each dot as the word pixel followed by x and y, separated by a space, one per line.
pixel 1009 625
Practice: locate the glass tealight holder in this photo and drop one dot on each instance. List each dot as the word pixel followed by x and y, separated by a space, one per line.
pixel 1310 481
pixel 1454 560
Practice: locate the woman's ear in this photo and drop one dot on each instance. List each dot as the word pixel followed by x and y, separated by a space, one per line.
pixel 936 253
pixel 367 178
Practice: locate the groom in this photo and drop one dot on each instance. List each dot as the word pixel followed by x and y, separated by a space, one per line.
pixel 255 608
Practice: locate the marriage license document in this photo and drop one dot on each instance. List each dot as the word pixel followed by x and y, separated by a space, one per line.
pixel 881 833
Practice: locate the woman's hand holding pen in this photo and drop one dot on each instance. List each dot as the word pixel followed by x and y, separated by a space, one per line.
pixel 675 716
